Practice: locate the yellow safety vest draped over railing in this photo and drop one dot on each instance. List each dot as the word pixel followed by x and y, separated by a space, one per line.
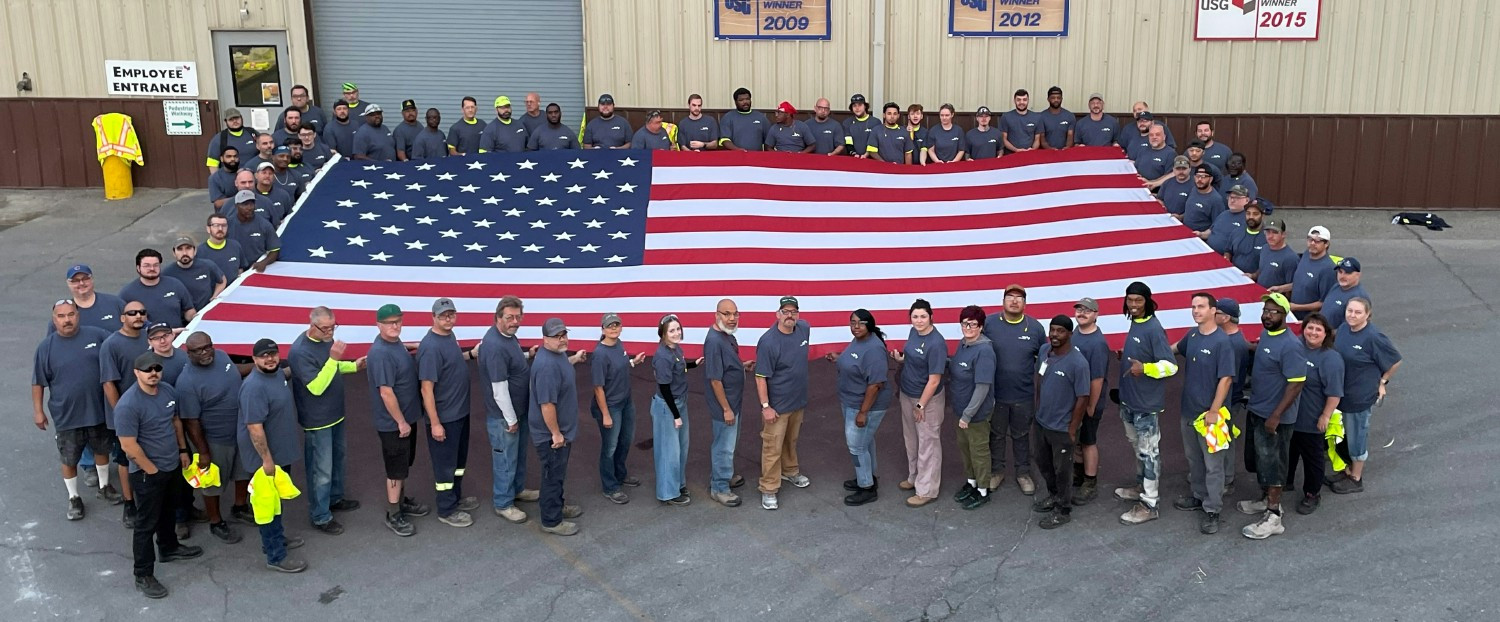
pixel 115 136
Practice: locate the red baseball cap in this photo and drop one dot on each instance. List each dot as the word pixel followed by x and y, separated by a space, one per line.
pixel 787 108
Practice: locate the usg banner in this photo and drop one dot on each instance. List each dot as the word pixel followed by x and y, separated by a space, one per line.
pixel 1294 20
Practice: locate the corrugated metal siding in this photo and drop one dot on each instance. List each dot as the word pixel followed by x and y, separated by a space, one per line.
pixel 1372 57
pixel 63 44
pixel 657 52
pixel 438 51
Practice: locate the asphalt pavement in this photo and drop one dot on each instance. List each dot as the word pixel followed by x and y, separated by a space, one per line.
pixel 1419 544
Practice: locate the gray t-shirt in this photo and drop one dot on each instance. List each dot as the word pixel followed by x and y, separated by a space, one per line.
pixel 200 279
pixel 789 139
pixel 610 369
pixel 1325 379
pixel 546 138
pixel 441 361
pixel 860 366
pixel 1095 349
pixel 255 238
pixel 221 185
pixel 172 365
pixel 1314 278
pixel 1016 346
pixel 608 133
pixel 892 143
pixel 389 364
pixel 429 143
pixel 166 301
pixel 1245 248
pixel 1277 267
pixel 859 134
pixel 1228 226
pixel 1227 181
pixel 1020 129
pixel 1063 379
pixel 552 382
pixel 668 367
pixel 340 136
pixel 266 398
pixel 782 360
pixel 1153 163
pixel 926 355
pixel 827 135
pixel 1202 208
pixel 463 135
pixel 704 129
pixel 211 394
pixel 1337 300
pixel 148 418
pixel 1091 133
pixel 747 130
pixel 117 364
pixel 646 139
pixel 982 144
pixel 69 368
pixel 274 205
pixel 1208 359
pixel 1055 127
pixel 971 365
pixel 1279 360
pixel 501 360
pixel 509 136
pixel 1145 342
pixel 1367 355
pixel 1174 194
pixel 104 314
pixel 944 144
pixel 721 361
pixel 404 133
pixel 1217 155
pixel 375 143
pixel 244 141
pixel 307 357
pixel 531 122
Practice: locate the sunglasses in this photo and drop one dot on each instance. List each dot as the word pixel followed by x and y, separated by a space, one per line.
pixel 134 312
pixel 154 369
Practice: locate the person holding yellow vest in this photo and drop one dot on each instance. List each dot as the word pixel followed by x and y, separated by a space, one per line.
pixel 1208 371
pixel 268 439
pixel 234 133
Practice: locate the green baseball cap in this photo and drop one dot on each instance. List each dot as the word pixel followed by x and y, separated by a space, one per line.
pixel 789 300
pixel 387 312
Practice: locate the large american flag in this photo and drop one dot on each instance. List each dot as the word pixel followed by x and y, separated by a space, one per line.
pixel 577 234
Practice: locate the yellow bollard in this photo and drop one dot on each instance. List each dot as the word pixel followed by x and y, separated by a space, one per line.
pixel 117 182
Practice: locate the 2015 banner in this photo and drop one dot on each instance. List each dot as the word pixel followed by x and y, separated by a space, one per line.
pixel 773 19
pixel 1008 18
pixel 1294 20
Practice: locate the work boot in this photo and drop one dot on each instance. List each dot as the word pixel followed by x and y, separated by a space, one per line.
pixel 75 508
pixel 1209 522
pixel 734 482
pixel 242 513
pixel 727 499
pixel 1347 485
pixel 468 504
pixel 1043 506
pixel 528 494
pixel 571 511
pixel 564 528
pixel 398 524
pixel 225 533
pixel 109 495
pixel 1268 525
pixel 1309 504
pixel 150 587
pixel 512 514
pixel 1188 503
pixel 288 565
pixel 1131 493
pixel 129 515
pixel 862 496
pixel 634 482
pixel 852 485
pixel 332 527
pixel 679 500
pixel 458 518
pixel 343 505
pixel 906 484
pixel 410 507
pixel 1055 520
pixel 996 480
pixel 617 496
pixel 183 551
pixel 1087 491
pixel 1140 513
pixel 916 501
pixel 90 476
pixel 1028 487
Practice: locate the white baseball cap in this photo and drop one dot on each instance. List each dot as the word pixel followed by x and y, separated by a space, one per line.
pixel 1321 233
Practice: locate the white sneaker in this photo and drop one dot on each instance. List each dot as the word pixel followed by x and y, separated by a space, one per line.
pixel 768 501
pixel 799 480
pixel 1257 506
pixel 512 514
pixel 1268 525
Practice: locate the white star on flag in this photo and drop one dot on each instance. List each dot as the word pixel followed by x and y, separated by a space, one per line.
pixel 357 241
pixel 594 224
pixel 369 216
pixel 588 248
pixel 499 259
pixel 548 201
pixel 468 188
pixel 459 211
pixel 602 174
pixel 627 187
pixel 564 236
pixel 615 259
pixel 361 183
pixel 575 188
pixel 440 257
pixel 483 223
pixel 539 224
pixel 576 164
pixel 347 203
pixel 449 233
pixel 551 177
pixel 446 177
pixel 394 176
pixel 531 248
pixel 523 189
pixel 557 259
pixel 380 256
pixel 415 187
pixel 628 162
pixel 506 236
pixel 392 230
pixel 568 212
pixel 426 166
pixel 474 247
pixel 619 235
pixel 499 177
pixel 319 252
pixel 527 165
pixel 475 166
pixel 436 198
pixel 372 167
pixel 426 220
pixel 513 212
pixel 382 195
pixel 416 245
pixel 332 224
pixel 622 211
pixel 402 207
pixel 598 200
pixel 492 201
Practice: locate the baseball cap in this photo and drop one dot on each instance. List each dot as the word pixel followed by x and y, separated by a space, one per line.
pixel 408 104
pixel 1063 321
pixel 1087 303
pixel 1181 162
pixel 857 99
pixel 1196 143
pixel 350 86
pixel 1240 190
pixel 1094 96
pixel 80 269
pixel 244 196
pixel 1279 299
pixel 1230 307
pixel 789 300
pixel 983 111
pixel 264 165
pixel 554 327
pixel 281 149
pixel 159 327
pixel 1203 168
pixel 265 346
pixel 786 107
pixel 654 114
pixel 372 109
pixel 386 312
pixel 502 101
pixel 1277 224
pixel 1145 114
pixel 606 99
pixel 1015 287
pixel 609 318
pixel 1349 264
pixel 443 305
pixel 232 113
pixel 1321 233
pixel 146 361
pixel 184 239
pixel 1055 89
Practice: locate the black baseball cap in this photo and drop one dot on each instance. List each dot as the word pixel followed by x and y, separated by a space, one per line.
pixel 408 104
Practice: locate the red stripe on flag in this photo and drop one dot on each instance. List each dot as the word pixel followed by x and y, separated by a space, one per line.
pixel 905 223
pixel 769 192
pixel 805 162
pixel 915 253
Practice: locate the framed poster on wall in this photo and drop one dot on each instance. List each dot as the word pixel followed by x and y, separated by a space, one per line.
pixel 773 19
pixel 1255 20
pixel 1007 18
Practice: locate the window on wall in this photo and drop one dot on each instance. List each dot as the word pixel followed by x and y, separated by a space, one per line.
pixel 257 75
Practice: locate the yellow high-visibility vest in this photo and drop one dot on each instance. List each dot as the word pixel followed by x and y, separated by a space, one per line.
pixel 114 136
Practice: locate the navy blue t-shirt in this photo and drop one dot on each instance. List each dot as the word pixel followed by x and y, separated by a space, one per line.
pixel 668 367
pixel 609 367
pixel 1208 359
pixel 1145 342
pixel 166 301
pixel 200 278
pixel 1325 379
pixel 782 360
pixel 441 361
pixel 307 357
pixel 1278 362
pixel 1095 349
pixel 972 364
pixel 389 364
pixel 501 360
pixel 1367 354
pixel 926 355
pixel 148 418
pixel 721 361
pixel 211 394
pixel 1016 347
pixel 69 368
pixel 1063 380
pixel 860 366
pixel 105 314
pixel 266 398
pixel 552 382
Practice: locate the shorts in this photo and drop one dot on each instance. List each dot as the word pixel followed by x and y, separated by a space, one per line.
pixel 398 453
pixel 231 467
pixel 1088 430
pixel 1272 451
pixel 1357 435
pixel 70 443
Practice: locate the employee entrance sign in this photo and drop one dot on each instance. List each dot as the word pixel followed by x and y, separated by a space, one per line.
pixel 149 78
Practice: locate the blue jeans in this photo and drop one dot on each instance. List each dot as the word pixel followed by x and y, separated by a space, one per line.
pixel 670 448
pixel 508 460
pixel 1357 434
pixel 86 461
pixel 721 452
pixel 1143 430
pixel 273 541
pixel 323 451
pixel 612 451
pixel 861 443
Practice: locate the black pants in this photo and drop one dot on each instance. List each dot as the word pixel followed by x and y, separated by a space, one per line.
pixel 1311 450
pixel 155 506
pixel 1054 458
pixel 449 456
pixel 554 469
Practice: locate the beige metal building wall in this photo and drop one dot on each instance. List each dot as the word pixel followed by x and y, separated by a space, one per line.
pixel 63 44
pixel 1372 57
pixel 657 52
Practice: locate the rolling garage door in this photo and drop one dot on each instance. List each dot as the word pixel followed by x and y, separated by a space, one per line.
pixel 438 51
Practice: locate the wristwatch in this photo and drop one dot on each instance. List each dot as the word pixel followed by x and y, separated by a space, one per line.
pixel 919 406
pixel 765 404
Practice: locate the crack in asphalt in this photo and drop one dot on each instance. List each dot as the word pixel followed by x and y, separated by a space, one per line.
pixel 1418 235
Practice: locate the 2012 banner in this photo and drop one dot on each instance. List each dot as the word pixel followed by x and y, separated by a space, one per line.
pixel 1293 20
pixel 1008 18
pixel 773 19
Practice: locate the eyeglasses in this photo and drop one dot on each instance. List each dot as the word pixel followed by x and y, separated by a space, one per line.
pixel 81 278
pixel 969 324
pixel 788 312
pixel 857 322
pixel 389 322
pixel 134 312
pixel 328 329
pixel 729 313
pixel 200 349
pixel 1313 239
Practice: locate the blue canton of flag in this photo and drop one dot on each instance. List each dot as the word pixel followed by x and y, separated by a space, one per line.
pixel 552 209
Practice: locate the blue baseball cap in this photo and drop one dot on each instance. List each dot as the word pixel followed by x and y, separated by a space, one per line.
pixel 1230 307
pixel 1348 264
pixel 84 269
pixel 280 150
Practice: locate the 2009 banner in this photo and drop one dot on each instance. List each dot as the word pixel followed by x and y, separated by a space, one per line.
pixel 1008 18
pixel 1257 19
pixel 772 19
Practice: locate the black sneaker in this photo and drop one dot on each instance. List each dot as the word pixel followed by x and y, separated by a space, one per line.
pixel 967 492
pixel 109 495
pixel 679 500
pixel 852 485
pixel 183 551
pixel 150 587
pixel 129 515
pixel 635 482
pixel 343 505
pixel 1188 503
pixel 410 507
pixel 1209 523
pixel 242 513
pixel 398 524
pixel 974 502
pixel 288 565
pixel 862 496
pixel 332 527
pixel 75 508
pixel 1055 520
pixel 1347 485
pixel 1309 504
pixel 1044 506
pixel 225 533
